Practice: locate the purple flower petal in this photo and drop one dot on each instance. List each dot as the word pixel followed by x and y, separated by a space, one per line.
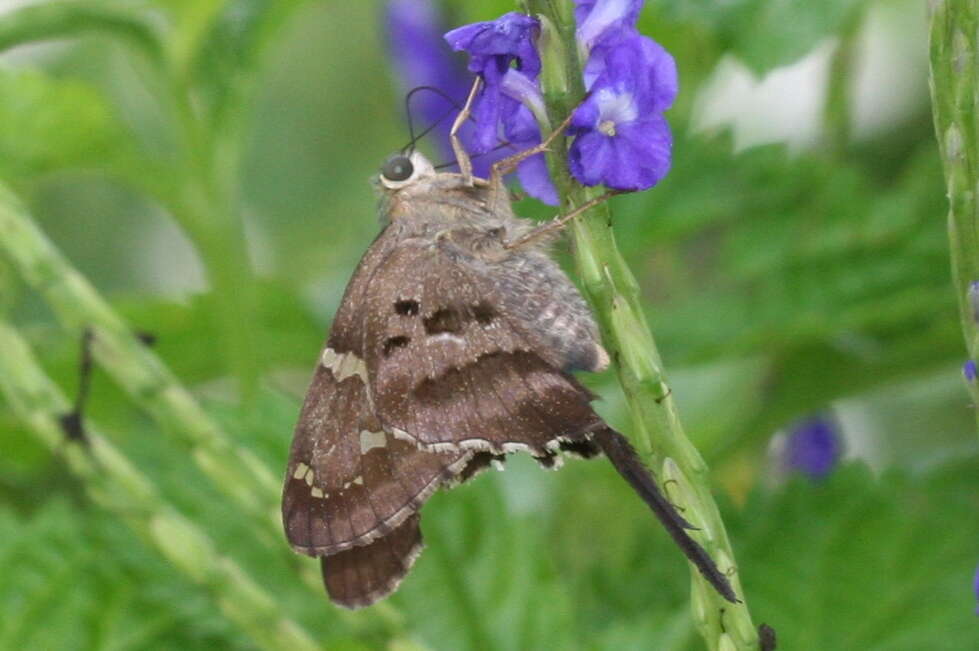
pixel 521 129
pixel 600 19
pixel 525 90
pixel 618 148
pixel 493 47
pixel 969 371
pixel 536 179
pixel 814 447
pixel 590 157
pixel 643 67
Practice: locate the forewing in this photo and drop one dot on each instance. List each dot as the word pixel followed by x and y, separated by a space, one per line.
pixel 360 576
pixel 449 370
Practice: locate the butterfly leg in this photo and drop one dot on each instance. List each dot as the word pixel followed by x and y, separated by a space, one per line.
pixel 506 165
pixel 462 158
pixel 559 222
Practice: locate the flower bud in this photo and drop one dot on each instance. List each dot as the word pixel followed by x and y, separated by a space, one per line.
pixel 969 371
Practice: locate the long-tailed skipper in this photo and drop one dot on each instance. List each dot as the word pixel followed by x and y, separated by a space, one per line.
pixel 453 347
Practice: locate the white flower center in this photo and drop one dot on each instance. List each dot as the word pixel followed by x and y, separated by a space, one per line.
pixel 614 109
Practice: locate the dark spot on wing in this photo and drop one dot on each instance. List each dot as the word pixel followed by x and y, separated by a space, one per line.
pixel 484 313
pixel 394 343
pixel 444 320
pixel 407 307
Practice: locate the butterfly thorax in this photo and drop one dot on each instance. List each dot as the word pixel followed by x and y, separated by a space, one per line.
pixel 470 224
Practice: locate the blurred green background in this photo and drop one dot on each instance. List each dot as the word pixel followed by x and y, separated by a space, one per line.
pixel 205 165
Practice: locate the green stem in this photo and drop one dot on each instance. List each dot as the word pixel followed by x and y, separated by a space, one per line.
pixel 205 203
pixel 658 435
pixel 236 471
pixel 954 88
pixel 838 112
pixel 116 485
pixel 68 19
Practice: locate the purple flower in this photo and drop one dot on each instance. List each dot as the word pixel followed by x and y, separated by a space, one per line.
pixel 814 447
pixel 969 371
pixel 623 141
pixel 493 48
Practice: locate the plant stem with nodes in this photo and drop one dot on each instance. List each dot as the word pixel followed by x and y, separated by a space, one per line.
pixel 614 293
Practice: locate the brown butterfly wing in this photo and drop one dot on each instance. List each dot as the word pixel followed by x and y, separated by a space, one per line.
pixel 360 576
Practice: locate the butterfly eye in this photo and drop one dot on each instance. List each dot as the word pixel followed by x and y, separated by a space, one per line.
pixel 397 168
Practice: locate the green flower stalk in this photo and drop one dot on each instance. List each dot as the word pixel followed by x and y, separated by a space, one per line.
pixel 113 483
pixel 614 293
pixel 954 96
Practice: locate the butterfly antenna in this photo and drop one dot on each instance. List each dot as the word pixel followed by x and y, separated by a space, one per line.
pixel 410 147
pixel 505 143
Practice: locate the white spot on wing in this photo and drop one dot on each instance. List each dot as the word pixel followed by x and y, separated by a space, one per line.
pixel 344 365
pixel 446 336
pixel 358 480
pixel 300 471
pixel 371 440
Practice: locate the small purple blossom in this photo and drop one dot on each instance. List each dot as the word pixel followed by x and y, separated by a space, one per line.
pixel 969 371
pixel 493 48
pixel 814 447
pixel 623 141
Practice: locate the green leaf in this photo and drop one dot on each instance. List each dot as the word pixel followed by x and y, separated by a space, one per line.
pixel 860 562
pixel 75 578
pixel 225 65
